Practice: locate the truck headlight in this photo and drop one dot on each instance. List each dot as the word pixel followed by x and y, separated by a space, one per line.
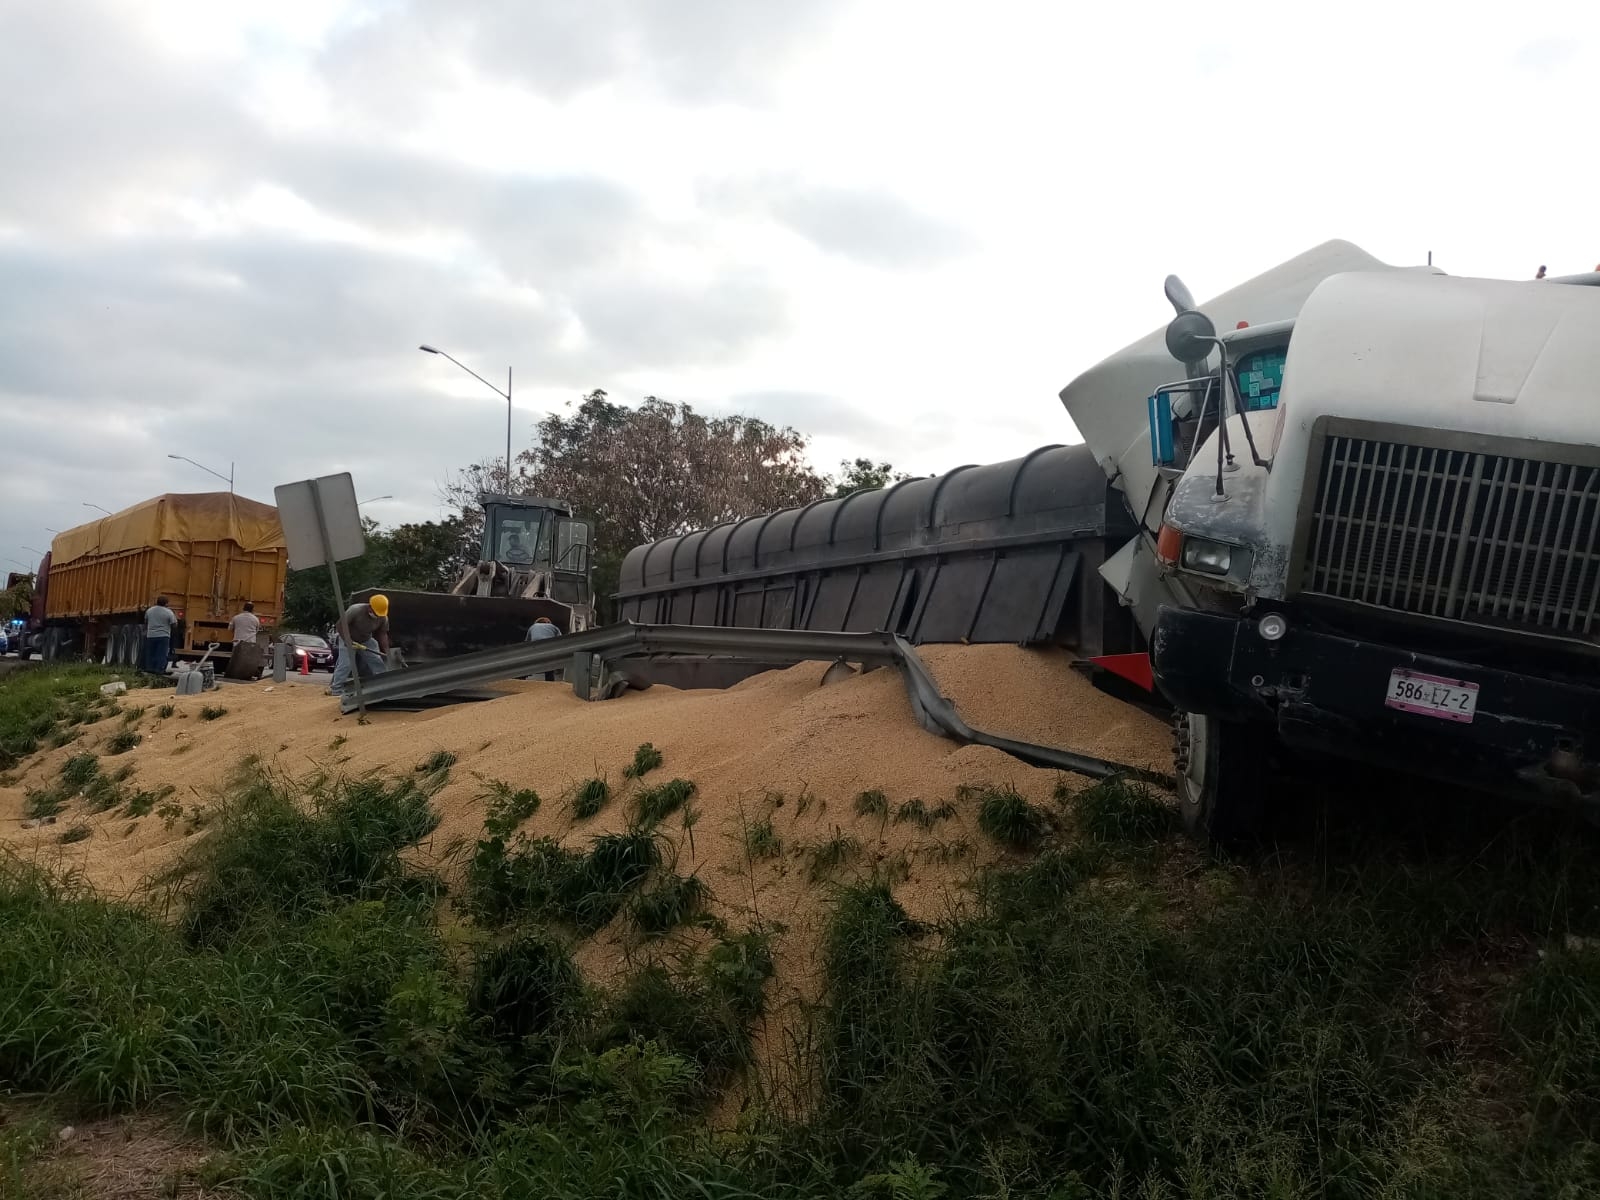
pixel 1212 558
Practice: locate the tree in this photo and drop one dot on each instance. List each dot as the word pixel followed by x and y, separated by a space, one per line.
pixel 427 557
pixel 17 599
pixel 864 475
pixel 640 474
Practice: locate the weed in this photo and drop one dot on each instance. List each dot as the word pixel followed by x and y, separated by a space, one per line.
pixel 824 858
pixel 547 881
pixel 439 760
pixel 122 741
pixel 64 737
pixel 645 759
pixel 36 705
pixel 337 741
pixel 131 716
pixel 1116 810
pixel 75 833
pixel 925 817
pixel 737 968
pixel 673 901
pixel 761 840
pixel 525 988
pixel 872 804
pixel 272 857
pixel 170 812
pixel 213 712
pixel 40 803
pixel 1009 819
pixel 590 798
pixel 507 809
pixel 166 710
pixel 141 804
pixel 654 805
pixel 122 774
pixel 78 772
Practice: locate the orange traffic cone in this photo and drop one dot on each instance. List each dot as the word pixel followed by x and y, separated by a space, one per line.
pixel 305 664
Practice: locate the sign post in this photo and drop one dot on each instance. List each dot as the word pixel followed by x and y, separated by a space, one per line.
pixel 322 525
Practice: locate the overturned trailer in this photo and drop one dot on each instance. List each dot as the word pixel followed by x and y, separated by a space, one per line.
pixel 1007 552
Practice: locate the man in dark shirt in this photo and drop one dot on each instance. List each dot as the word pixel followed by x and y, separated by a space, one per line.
pixel 363 642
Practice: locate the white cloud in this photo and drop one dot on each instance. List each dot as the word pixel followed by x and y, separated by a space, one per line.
pixel 898 225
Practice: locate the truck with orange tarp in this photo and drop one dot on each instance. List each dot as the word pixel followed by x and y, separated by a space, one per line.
pixel 207 552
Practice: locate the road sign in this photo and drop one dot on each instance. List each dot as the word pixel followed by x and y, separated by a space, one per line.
pixel 321 522
pixel 322 526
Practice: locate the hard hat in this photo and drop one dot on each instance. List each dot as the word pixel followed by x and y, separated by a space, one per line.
pixel 380 605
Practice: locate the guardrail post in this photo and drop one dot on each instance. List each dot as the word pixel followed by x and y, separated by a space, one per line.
pixel 280 662
pixel 583 672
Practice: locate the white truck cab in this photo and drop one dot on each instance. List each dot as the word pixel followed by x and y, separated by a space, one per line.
pixel 1370 527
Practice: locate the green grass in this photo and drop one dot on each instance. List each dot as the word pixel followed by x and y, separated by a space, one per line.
pixel 166 710
pixel 823 859
pixel 75 833
pixel 590 798
pixel 761 840
pixel 1117 810
pixel 654 805
pixel 213 712
pixel 872 803
pixel 439 760
pixel 122 741
pixel 542 880
pixel 1009 819
pixel 131 716
pixel 645 759
pixel 672 901
pixel 925 817
pixel 79 771
pixel 38 803
pixel 37 703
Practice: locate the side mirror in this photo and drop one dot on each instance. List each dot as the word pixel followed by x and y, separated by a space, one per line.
pixel 1190 337
pixel 1179 296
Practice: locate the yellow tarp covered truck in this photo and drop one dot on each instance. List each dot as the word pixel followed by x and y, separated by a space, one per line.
pixel 207 552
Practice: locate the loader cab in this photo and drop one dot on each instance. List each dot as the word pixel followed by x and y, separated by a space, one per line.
pixel 531 534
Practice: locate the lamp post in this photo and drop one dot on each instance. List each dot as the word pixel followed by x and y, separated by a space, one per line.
pixel 107 511
pixel 36 550
pixel 228 477
pixel 374 500
pixel 507 394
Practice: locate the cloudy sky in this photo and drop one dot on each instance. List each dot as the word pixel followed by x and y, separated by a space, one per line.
pixel 899 225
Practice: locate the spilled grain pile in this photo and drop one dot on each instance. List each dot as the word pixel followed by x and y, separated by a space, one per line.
pixel 795 786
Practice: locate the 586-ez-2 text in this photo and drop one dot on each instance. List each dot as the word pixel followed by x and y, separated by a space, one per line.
pixel 1432 696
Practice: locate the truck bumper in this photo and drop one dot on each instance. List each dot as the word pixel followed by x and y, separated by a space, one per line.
pixel 1530 738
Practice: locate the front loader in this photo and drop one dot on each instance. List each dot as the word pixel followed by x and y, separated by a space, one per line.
pixel 534 561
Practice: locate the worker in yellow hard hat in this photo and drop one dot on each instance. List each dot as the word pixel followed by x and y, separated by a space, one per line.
pixel 363 642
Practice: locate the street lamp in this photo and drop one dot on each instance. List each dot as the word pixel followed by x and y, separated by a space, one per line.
pixel 374 500
pixel 507 394
pixel 35 550
pixel 207 470
pixel 107 511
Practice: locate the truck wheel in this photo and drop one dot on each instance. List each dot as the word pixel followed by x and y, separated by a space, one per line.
pixel 1223 772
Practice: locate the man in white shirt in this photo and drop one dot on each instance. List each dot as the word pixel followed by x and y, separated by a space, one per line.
pixel 245 626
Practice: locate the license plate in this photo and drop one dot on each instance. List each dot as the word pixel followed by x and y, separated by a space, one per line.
pixel 1431 696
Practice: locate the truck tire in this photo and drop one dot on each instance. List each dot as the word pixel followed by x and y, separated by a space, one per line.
pixel 1224 774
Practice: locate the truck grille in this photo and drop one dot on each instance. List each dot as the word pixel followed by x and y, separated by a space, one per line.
pixel 1460 534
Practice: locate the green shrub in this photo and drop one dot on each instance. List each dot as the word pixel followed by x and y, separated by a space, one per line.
pixel 645 759
pixel 213 712
pixel 79 771
pixel 872 804
pixel 507 809
pixel 824 858
pixel 590 798
pixel 1009 819
pixel 122 741
pixel 761 840
pixel 673 901
pixel 654 805
pixel 1116 810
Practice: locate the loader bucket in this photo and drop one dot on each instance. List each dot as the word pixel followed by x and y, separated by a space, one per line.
pixel 430 625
